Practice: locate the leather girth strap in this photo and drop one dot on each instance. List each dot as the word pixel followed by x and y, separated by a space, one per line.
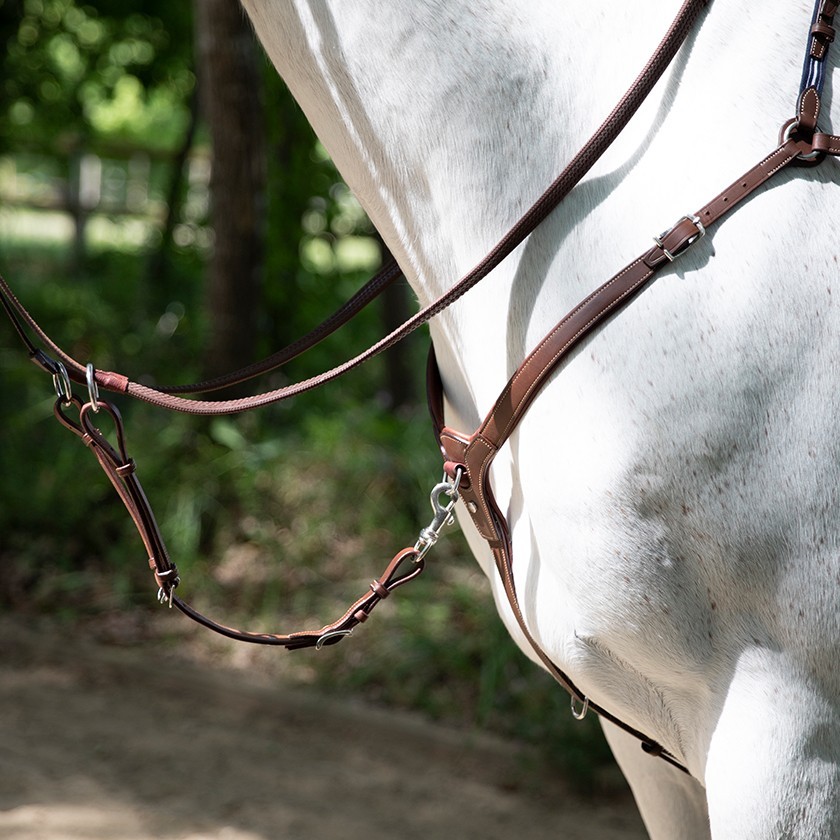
pixel 473 454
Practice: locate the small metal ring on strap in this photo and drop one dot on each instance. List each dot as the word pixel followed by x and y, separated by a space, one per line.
pixel 93 388
pixel 579 714
pixel 61 383
pixel 788 133
pixel 331 635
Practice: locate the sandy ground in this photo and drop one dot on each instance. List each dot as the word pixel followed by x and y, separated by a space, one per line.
pixel 104 742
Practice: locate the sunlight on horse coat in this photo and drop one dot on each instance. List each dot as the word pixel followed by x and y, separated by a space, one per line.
pixel 673 493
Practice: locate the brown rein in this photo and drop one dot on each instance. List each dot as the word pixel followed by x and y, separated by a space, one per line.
pixel 542 207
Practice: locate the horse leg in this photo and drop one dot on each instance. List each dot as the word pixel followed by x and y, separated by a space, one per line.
pixel 671 803
pixel 773 767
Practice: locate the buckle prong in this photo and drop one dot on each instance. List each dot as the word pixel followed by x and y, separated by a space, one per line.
pixel 685 245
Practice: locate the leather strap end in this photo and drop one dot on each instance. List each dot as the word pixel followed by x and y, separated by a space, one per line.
pixel 111 381
pixel 828 144
pixel 378 589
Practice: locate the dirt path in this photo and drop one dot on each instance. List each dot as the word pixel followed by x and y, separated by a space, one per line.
pixel 102 742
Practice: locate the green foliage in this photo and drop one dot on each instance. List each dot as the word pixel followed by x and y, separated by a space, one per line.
pixel 99 70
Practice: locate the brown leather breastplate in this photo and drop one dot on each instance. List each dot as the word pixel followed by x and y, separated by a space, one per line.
pixel 468 457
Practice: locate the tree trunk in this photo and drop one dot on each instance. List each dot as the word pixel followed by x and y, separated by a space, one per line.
pixel 157 267
pixel 229 86
pixel 401 380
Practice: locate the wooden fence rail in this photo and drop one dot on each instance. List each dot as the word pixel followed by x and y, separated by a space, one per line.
pixel 115 181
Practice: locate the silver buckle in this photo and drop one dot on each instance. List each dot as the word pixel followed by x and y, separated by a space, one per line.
pixel 701 232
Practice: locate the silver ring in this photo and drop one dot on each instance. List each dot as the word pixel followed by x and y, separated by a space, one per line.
pixel 93 388
pixel 61 383
pixel 787 134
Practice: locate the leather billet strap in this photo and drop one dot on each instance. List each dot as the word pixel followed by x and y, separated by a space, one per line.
pixel 473 455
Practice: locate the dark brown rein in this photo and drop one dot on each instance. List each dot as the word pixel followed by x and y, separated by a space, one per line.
pixel 542 207
pixel 468 457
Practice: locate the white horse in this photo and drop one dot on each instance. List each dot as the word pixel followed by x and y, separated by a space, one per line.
pixel 672 493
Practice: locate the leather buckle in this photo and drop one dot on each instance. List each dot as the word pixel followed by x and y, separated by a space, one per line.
pixel 683 244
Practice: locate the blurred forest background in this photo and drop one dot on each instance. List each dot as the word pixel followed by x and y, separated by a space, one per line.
pixel 166 211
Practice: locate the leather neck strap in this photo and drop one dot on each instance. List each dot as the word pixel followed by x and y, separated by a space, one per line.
pixel 472 455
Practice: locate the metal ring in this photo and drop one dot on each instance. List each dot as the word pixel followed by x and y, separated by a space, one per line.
pixel 93 388
pixel 61 383
pixel 581 713
pixel 787 134
pixel 332 634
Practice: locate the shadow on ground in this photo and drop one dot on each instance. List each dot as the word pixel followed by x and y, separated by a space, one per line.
pixel 109 742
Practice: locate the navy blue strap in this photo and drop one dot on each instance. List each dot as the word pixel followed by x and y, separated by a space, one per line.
pixel 820 37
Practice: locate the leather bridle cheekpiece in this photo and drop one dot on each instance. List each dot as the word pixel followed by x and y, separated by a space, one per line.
pixel 467 457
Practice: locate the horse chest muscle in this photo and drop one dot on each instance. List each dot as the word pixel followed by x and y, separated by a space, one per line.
pixel 689 441
pixel 657 488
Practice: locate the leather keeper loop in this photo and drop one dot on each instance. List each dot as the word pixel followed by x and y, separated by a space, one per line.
pixel 451 469
pixel 380 590
pixel 823 31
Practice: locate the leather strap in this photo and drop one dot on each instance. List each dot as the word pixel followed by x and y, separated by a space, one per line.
pixel 548 201
pixel 822 30
pixel 820 37
pixel 383 280
pixel 121 470
pixel 473 455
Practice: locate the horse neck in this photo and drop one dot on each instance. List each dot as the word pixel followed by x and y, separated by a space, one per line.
pixel 449 120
